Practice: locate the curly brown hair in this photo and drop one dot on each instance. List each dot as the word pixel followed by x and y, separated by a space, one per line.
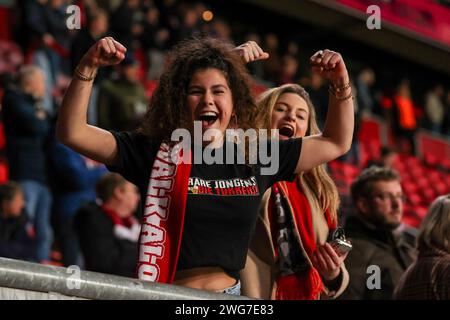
pixel 168 110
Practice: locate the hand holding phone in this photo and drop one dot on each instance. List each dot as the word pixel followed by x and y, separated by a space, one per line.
pixel 341 246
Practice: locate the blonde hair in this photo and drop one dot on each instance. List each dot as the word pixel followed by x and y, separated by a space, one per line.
pixel 435 227
pixel 318 186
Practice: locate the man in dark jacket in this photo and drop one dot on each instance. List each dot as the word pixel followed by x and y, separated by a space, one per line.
pixel 122 102
pixel 109 232
pixel 382 250
pixel 26 129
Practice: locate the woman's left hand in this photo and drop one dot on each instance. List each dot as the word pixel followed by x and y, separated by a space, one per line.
pixel 330 65
pixel 327 261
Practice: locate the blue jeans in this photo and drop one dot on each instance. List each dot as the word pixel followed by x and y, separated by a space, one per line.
pixel 234 290
pixel 38 201
pixel 48 61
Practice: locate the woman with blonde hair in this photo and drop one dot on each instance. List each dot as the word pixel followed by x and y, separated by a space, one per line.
pixel 289 246
pixel 429 277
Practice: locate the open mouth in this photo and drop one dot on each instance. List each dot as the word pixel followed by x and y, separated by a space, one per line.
pixel 208 118
pixel 286 131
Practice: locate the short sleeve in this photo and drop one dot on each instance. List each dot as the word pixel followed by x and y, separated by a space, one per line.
pixel 136 154
pixel 282 168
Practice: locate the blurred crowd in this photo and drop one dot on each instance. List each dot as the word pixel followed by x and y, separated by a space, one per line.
pixel 73 207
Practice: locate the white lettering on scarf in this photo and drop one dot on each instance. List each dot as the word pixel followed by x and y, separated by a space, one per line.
pixel 157 204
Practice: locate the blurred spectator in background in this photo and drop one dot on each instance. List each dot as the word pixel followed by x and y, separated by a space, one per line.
pixel 122 102
pixel 155 41
pixel 97 27
pixel 31 28
pixel 434 108
pixel 272 65
pixel 125 25
pixel 405 123
pixel 353 155
pixel 190 23
pixel 364 83
pixel 256 68
pixel 293 49
pixel 15 234
pixel 169 17
pixel 288 71
pixel 37 42
pixel 221 30
pixel 26 128
pixel 319 97
pixel 109 232
pixel 388 158
pixel 429 276
pixel 51 48
pixel 108 5
pixel 73 184
pixel 446 121
pixel 378 197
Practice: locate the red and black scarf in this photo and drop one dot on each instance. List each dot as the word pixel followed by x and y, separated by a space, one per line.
pixel 291 217
pixel 163 218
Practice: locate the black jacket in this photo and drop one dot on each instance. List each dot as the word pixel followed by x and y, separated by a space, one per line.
pixel 391 251
pixel 15 241
pixel 102 250
pixel 25 137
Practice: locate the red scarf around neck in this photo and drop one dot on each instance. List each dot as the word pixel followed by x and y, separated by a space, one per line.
pixel 126 222
pixel 163 218
pixel 306 285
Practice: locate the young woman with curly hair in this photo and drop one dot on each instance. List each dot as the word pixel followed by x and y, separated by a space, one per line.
pixel 197 218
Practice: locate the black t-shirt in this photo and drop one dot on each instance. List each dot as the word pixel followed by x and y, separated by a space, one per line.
pixel 222 202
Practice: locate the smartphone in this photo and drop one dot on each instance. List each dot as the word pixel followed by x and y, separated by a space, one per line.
pixel 341 246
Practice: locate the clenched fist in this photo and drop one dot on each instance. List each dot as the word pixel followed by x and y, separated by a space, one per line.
pixel 330 65
pixel 104 52
pixel 251 51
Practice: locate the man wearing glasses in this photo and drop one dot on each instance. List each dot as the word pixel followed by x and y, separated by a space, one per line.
pixel 381 249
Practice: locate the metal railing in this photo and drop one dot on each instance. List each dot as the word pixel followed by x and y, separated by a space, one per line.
pixel 25 280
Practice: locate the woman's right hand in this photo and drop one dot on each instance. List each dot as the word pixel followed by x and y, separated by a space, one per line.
pixel 251 51
pixel 105 52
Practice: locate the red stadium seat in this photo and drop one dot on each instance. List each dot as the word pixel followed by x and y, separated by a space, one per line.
pixel 409 187
pixel 411 220
pixel 430 159
pixel 421 211
pixel 414 199
pixel 440 188
pixel 3 172
pixel 428 195
pixel 417 172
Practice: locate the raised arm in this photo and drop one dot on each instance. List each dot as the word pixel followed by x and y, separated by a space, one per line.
pixel 250 51
pixel 72 128
pixel 337 135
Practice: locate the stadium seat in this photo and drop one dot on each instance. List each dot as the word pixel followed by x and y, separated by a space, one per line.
pixel 440 188
pixel 3 172
pixel 411 220
pixel 414 199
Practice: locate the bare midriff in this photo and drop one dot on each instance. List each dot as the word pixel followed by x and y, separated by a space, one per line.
pixel 205 278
